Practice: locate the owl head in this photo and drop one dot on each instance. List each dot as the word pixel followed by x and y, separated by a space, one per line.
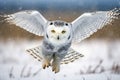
pixel 58 32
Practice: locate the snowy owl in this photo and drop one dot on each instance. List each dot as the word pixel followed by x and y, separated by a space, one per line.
pixel 58 35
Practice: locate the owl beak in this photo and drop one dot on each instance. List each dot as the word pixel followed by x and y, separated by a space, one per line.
pixel 58 37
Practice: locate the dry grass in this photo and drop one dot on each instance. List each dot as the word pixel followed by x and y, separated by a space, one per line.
pixel 93 69
pixel 24 73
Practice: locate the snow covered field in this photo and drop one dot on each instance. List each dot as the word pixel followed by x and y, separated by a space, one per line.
pixel 101 62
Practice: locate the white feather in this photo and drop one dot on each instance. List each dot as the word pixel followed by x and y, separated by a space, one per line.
pixel 29 20
pixel 88 23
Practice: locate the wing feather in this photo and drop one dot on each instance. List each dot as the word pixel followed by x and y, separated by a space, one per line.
pixel 88 23
pixel 29 20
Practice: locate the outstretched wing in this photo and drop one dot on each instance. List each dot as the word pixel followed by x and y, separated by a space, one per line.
pixel 70 57
pixel 88 23
pixel 29 20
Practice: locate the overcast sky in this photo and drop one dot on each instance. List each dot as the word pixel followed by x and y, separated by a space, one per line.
pixel 58 4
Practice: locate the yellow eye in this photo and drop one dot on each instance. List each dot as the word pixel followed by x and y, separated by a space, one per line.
pixel 53 31
pixel 63 32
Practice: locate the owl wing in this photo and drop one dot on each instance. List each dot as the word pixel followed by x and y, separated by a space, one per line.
pixel 88 23
pixel 29 20
pixel 71 56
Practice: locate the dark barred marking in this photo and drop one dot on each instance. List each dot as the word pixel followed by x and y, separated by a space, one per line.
pixel 59 23
pixel 64 48
pixel 48 46
pixel 39 60
pixel 51 23
pixel 32 53
pixel 47 35
pixel 69 37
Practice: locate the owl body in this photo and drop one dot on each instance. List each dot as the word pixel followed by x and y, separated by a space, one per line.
pixel 56 45
pixel 58 35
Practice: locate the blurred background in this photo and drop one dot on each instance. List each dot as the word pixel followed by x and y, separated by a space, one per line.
pixel 101 50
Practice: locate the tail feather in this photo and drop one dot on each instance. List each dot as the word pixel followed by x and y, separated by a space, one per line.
pixel 71 56
pixel 35 52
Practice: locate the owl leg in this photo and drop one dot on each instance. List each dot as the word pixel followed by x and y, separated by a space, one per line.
pixel 56 64
pixel 46 62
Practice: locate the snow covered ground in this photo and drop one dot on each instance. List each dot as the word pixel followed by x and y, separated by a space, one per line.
pixel 101 62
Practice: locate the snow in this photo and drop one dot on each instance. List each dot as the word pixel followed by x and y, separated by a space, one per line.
pixel 101 62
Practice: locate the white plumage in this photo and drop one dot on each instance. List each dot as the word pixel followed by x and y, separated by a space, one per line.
pixel 31 21
pixel 58 35
pixel 88 23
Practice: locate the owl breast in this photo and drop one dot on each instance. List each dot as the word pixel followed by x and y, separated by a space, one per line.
pixel 49 49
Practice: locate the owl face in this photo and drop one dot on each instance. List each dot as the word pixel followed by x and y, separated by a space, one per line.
pixel 58 32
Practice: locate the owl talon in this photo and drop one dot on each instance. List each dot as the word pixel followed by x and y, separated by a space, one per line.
pixel 52 69
pixel 55 68
pixel 48 65
pixel 44 67
pixel 45 64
